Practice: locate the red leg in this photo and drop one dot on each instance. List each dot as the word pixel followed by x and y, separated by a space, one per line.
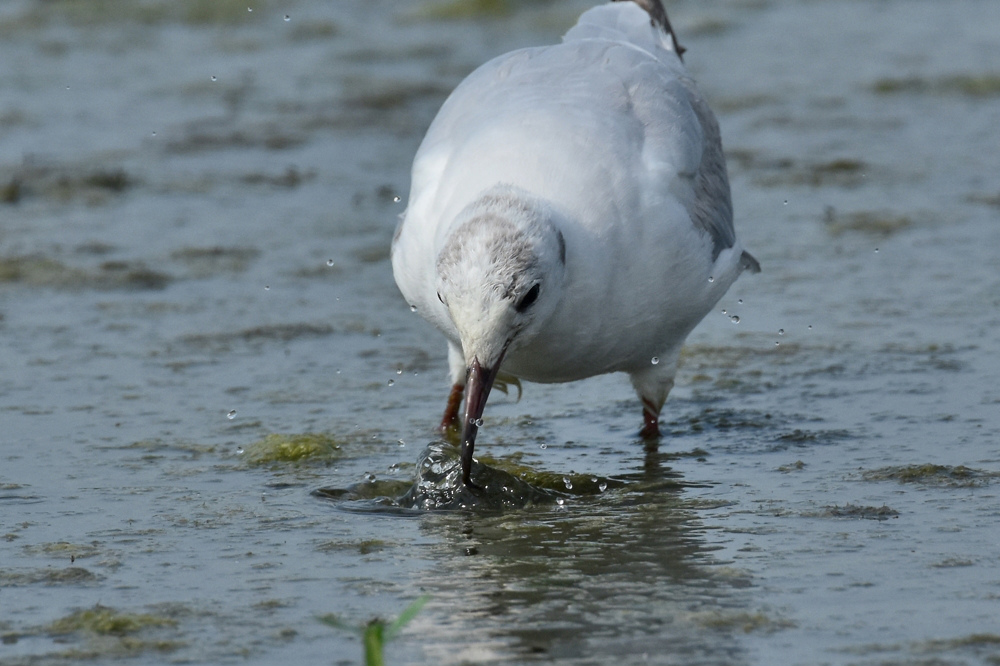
pixel 450 421
pixel 651 421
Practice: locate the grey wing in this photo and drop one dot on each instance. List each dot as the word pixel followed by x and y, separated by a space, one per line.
pixel 712 210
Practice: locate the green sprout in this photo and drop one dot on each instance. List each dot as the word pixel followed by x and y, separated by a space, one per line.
pixel 376 633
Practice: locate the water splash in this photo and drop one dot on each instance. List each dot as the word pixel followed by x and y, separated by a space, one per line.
pixel 438 485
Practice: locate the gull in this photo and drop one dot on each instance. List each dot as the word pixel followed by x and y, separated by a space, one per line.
pixel 570 216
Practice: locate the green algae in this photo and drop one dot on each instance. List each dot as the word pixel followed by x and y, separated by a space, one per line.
pixel 64 549
pixel 107 621
pixel 10 192
pixel 972 640
pixel 967 85
pixel 744 621
pixel 465 9
pixel 985 199
pixel 363 547
pixel 932 475
pixel 40 271
pixel 106 632
pixel 768 171
pixel 47 576
pixel 282 449
pixel 857 511
pixel 203 262
pixel 570 484
pixel 258 334
pixel 66 184
pixel 876 223
pixel 97 13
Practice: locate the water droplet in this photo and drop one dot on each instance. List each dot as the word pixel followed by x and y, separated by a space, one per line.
pixel 593 479
pixel 413 308
pixel 876 250
pixel 154 133
pixel 391 382
pixel 560 501
pixel 740 301
pixel 543 445
pixel 267 287
pixel 399 372
pixel 214 78
pixel 371 478
pixel 231 415
pixel 396 199
pixel 602 486
pixel 776 343
pixel 735 319
pixel 711 279
pixel 239 451
pixel 287 18
pixel 401 442
pixel 781 331
pixel 810 327
pixel 655 360
pixel 723 311
pixel 476 422
pixel 568 483
pixel 329 262
pixel 786 202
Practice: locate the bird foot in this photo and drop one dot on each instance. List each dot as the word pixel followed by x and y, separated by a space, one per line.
pixel 650 431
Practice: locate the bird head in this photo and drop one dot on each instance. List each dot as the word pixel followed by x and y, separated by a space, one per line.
pixel 500 277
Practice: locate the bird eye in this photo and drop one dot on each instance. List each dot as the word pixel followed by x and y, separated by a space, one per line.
pixel 528 299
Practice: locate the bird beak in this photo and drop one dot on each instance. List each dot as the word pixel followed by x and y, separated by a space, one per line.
pixel 477 389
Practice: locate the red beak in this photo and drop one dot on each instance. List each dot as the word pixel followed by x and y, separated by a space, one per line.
pixel 477 390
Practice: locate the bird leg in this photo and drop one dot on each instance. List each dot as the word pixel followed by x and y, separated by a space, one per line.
pixel 651 420
pixel 450 423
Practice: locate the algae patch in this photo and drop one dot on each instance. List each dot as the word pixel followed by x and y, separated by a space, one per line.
pixel 464 9
pixel 306 447
pixel 745 621
pixel 364 547
pixel 968 85
pixel 123 12
pixel 42 271
pixel 48 576
pixel 107 632
pixel 107 621
pixel 932 475
pixel 205 262
pixel 64 549
pixel 875 223
pixel 857 511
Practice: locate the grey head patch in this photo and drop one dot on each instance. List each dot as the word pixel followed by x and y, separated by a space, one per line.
pixel 489 246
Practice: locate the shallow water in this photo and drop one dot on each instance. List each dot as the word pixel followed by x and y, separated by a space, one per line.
pixel 209 385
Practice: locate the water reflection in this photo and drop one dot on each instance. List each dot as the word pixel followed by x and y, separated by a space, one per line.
pixel 624 575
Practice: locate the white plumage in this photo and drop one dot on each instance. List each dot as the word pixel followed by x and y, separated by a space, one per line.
pixel 590 173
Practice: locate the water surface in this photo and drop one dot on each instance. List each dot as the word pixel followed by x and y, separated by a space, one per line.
pixel 208 379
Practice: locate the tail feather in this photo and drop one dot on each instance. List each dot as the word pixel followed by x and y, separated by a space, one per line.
pixel 658 17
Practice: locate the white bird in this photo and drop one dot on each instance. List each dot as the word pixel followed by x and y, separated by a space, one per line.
pixel 570 216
